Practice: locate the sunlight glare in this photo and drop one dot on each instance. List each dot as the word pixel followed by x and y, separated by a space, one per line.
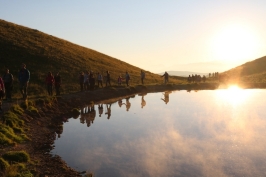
pixel 233 95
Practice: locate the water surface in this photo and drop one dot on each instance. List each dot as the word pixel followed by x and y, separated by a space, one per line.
pixel 204 133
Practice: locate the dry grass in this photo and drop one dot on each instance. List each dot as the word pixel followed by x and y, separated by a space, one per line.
pixel 42 53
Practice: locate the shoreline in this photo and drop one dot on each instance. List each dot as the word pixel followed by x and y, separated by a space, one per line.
pixel 43 125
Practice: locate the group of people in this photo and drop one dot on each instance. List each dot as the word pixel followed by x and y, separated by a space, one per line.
pixel 87 80
pixel 6 84
pixel 196 78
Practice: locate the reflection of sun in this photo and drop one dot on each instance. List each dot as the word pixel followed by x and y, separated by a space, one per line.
pixel 233 95
pixel 235 43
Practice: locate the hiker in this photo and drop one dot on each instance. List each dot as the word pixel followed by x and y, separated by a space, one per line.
pixel 204 78
pixel 100 80
pixel 8 82
pixel 108 79
pixel 142 76
pixel 189 79
pixel 49 82
pixel 23 78
pixel 86 80
pixel 127 77
pixel 119 80
pixel 2 93
pixel 166 75
pixel 81 81
pixel 57 83
pixel 91 80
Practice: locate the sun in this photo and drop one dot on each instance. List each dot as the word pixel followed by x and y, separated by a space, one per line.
pixel 235 43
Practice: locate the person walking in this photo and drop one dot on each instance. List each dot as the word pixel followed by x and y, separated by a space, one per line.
pixel 166 75
pixel 127 77
pixel 8 82
pixel 57 83
pixel 49 82
pixel 108 78
pixel 2 93
pixel 100 80
pixel 23 78
pixel 142 76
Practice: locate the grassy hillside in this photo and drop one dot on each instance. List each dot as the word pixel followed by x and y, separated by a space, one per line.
pixel 251 72
pixel 42 53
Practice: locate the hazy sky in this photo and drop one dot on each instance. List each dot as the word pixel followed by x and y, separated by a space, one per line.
pixel 191 35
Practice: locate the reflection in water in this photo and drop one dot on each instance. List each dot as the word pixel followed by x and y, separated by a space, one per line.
pixel 166 96
pixel 128 104
pixel 100 109
pixel 143 102
pixel 108 110
pixel 194 136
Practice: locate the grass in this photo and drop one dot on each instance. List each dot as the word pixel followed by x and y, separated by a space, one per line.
pixel 16 156
pixel 42 53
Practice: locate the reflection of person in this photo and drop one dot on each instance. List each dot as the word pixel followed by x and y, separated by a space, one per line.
pixel 108 110
pixel 143 102
pixel 120 103
pixel 128 104
pixel 166 97
pixel 100 109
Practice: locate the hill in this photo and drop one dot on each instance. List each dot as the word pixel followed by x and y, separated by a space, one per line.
pixel 43 53
pixel 250 72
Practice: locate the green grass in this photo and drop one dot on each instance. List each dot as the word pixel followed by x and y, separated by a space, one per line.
pixel 16 156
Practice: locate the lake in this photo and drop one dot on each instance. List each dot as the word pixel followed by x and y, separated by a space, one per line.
pixel 178 133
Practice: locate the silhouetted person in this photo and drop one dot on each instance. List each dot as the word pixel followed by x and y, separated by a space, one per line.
pixel 204 78
pixel 8 82
pixel 23 78
pixel 189 79
pixel 91 80
pixel 166 76
pixel 166 97
pixel 119 80
pixel 127 77
pixel 100 80
pixel 49 83
pixel 108 79
pixel 57 83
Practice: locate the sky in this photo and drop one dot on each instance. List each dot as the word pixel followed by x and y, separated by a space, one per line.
pixel 192 35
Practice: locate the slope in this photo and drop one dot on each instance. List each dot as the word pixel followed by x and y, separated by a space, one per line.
pixel 42 53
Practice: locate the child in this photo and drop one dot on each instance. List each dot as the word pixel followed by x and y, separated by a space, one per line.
pixel 119 80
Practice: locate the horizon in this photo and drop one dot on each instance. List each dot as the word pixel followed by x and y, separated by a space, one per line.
pixel 156 36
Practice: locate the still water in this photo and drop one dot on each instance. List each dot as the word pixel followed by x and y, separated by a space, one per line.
pixel 180 133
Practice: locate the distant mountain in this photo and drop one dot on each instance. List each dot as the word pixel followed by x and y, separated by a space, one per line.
pixel 183 73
